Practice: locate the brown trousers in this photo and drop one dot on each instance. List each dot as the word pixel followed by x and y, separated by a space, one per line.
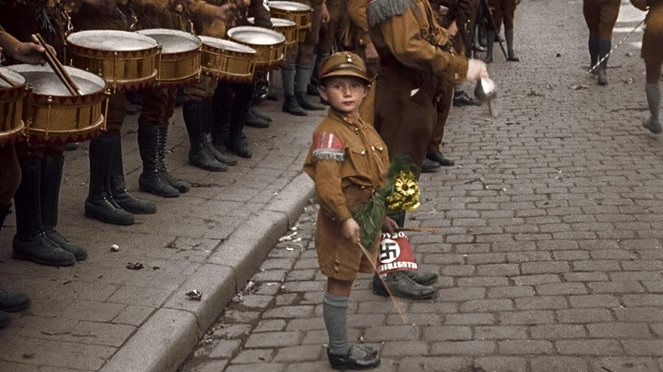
pixel 601 16
pixel 158 106
pixel 504 11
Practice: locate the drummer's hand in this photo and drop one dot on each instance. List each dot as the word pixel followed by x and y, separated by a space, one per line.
pixel 476 69
pixel 370 53
pixel 325 13
pixel 30 53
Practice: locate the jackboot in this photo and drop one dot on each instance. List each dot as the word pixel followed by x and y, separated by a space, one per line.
pixel 290 104
pixel 402 286
pixel 51 178
pixel 151 180
pixel 99 203
pixel 239 146
pixel 118 189
pixel 218 128
pixel 490 42
pixel 199 154
pixel 511 55
pixel 593 47
pixel 30 241
pixel 302 78
pixel 604 46
pixel 180 185
pixel 218 153
pixel 237 142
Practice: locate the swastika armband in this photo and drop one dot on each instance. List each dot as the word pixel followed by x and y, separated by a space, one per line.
pixel 328 146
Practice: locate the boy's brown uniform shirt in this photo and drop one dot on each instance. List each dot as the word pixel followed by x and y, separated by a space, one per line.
pixel 348 161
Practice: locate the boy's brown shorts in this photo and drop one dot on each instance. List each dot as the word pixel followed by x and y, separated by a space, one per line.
pixel 338 257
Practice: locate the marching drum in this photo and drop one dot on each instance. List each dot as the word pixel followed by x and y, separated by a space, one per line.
pixel 179 61
pixel 52 114
pixel 299 13
pixel 227 60
pixel 268 44
pixel 285 26
pixel 126 60
pixel 12 93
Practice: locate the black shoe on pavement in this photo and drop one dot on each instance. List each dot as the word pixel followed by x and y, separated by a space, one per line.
pixel 402 286
pixel 261 115
pixel 291 106
pixel 437 157
pixel 13 301
pixel 79 252
pixel 307 104
pixel 220 155
pixel 652 126
pixel 253 120
pixel 41 250
pixel 464 99
pixel 355 358
pixel 512 58
pixel 312 90
pixel 422 277
pixel 488 59
pixel 240 147
pixel 430 166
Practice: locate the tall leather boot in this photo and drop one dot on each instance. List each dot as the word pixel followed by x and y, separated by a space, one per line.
pixel 51 178
pixel 118 189
pixel 511 55
pixel 290 103
pixel 180 185
pixel 151 180
pixel 199 155
pixel 30 241
pixel 593 47
pixel 302 78
pixel 237 142
pixel 99 203
pixel 604 46
pixel 490 42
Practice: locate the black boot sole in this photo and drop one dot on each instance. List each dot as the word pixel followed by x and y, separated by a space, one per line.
pixel 109 221
pixel 381 291
pixel 26 257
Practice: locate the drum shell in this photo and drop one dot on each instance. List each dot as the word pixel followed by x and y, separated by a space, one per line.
pixel 62 119
pixel 303 18
pixel 290 31
pixel 11 113
pixel 123 70
pixel 226 64
pixel 178 68
pixel 268 56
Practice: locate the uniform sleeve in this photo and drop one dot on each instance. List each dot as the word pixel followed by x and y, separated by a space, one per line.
pixel 7 41
pixel 357 12
pixel 402 35
pixel 202 8
pixel 326 159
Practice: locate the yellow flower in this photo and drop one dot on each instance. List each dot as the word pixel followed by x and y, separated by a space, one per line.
pixel 405 195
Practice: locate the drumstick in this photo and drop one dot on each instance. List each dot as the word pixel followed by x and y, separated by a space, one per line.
pixel 57 67
pixel 9 81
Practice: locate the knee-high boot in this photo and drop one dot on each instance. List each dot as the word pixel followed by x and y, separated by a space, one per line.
pixel 30 241
pixel 51 178
pixel 508 35
pixel 593 47
pixel 490 42
pixel 199 154
pixel 152 180
pixel 604 46
pixel 99 203
pixel 180 185
pixel 118 189
pixel 237 142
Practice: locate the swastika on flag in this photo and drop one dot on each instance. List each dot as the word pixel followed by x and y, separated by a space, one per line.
pixel 389 251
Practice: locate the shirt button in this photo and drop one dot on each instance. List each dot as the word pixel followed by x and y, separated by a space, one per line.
pixel 363 152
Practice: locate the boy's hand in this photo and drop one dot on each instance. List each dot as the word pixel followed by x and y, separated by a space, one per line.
pixel 350 230
pixel 389 225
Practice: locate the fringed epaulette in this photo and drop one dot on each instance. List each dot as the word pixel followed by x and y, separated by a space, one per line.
pixel 328 146
pixel 380 10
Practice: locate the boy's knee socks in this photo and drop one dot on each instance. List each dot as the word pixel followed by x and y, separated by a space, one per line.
pixel 334 313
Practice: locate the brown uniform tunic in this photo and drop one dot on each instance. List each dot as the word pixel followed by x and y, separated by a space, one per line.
pixel 348 161
pixel 360 37
pixel 652 40
pixel 416 55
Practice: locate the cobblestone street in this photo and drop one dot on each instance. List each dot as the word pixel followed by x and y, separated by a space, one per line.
pixel 550 230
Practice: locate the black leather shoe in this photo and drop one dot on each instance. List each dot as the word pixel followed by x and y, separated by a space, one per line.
pixel 203 159
pixel 437 157
pixel 429 166
pixel 261 115
pixel 422 277
pixel 291 106
pixel 255 121
pixel 41 250
pixel 512 58
pixel 220 155
pixel 402 286
pixel 13 301
pixel 240 148
pixel 355 358
pixel 79 252
pixel 464 99
pixel 307 104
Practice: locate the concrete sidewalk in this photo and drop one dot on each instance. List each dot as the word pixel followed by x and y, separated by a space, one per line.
pixel 99 315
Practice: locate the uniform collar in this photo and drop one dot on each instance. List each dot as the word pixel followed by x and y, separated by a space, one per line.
pixel 351 119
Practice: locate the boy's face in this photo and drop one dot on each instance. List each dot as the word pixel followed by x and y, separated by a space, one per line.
pixel 344 94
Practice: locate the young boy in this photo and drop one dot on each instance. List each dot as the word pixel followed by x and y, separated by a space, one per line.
pixel 348 161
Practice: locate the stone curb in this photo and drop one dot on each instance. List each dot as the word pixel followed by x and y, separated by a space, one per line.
pixel 165 339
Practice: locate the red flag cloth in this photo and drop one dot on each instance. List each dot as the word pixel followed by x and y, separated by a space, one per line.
pixel 396 254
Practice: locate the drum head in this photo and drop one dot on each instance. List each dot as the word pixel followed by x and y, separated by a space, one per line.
pixel 277 22
pixel 42 80
pixel 289 6
pixel 173 41
pixel 226 45
pixel 111 40
pixel 16 79
pixel 255 35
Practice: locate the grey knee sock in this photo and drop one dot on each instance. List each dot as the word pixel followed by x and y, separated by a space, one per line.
pixel 334 312
pixel 288 79
pixel 654 100
pixel 302 77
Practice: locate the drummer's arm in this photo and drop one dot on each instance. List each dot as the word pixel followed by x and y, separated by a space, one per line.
pixel 20 51
pixel 223 12
pixel 357 12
